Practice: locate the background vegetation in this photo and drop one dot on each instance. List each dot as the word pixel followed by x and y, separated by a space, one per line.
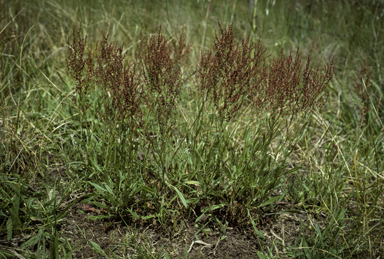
pixel 192 155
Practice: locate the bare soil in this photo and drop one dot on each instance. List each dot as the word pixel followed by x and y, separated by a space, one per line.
pixel 118 238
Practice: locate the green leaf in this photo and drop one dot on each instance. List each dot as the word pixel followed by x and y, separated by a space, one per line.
pixel 257 231
pixel 100 205
pixel 55 247
pixel 270 201
pixel 134 214
pixel 181 197
pixel 148 217
pixel 261 256
pixel 33 240
pixel 193 201
pixel 213 207
pixel 94 163
pixel 196 183
pixel 254 226
pixel 292 170
pixel 98 187
pixel 49 202
pixel 147 189
pixel 201 216
pixel 9 229
pixel 109 189
pixel 97 248
pixel 286 212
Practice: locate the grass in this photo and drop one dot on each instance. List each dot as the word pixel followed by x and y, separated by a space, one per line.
pixel 166 144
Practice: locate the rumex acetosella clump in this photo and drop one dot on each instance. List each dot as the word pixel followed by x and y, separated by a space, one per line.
pixel 235 71
pixel 153 80
pixel 235 76
pixel 227 76
pixel 140 97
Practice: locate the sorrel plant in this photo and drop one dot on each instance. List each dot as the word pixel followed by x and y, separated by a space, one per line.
pixel 202 166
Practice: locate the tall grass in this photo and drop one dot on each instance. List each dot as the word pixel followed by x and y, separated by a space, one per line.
pixel 161 114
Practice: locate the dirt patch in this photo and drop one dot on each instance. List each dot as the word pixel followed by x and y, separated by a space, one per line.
pixel 115 237
pixel 121 240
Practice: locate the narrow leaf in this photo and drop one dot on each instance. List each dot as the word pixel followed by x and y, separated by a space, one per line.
pixel 287 212
pixel 270 201
pixel 9 228
pixel 33 240
pixel 97 248
pixel 148 217
pixel 98 187
pixel 181 197
pixel 109 189
pixel 254 226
